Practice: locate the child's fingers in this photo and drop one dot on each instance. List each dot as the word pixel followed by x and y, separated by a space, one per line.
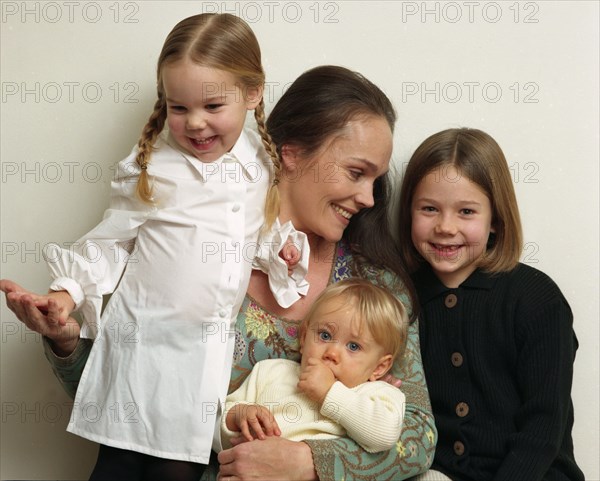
pixel 257 428
pixel 35 319
pixel 268 422
pixel 274 427
pixel 238 440
pixel 245 430
pixel 56 315
pixel 53 314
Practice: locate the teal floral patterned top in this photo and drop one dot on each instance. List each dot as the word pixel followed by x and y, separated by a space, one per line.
pixel 262 335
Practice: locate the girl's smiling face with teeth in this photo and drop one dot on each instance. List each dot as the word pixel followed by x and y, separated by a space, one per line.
pixel 206 109
pixel 451 223
pixel 323 192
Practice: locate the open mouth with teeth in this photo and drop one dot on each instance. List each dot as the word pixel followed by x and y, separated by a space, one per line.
pixel 442 250
pixel 202 143
pixel 343 212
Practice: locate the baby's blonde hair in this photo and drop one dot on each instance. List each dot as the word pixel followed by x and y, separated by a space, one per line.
pixel 375 308
pixel 220 41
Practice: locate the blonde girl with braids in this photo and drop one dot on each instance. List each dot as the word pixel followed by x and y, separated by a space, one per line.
pixel 176 249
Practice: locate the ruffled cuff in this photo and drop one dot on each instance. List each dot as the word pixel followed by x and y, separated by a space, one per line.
pixel 286 288
pixel 65 267
pixel 72 287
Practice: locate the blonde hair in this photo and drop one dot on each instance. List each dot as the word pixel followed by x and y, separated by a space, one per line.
pixel 376 308
pixel 220 41
pixel 478 157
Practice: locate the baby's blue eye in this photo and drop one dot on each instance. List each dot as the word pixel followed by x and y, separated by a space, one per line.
pixel 324 336
pixel 353 346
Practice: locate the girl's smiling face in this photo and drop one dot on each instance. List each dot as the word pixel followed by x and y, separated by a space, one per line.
pixel 206 108
pixel 451 223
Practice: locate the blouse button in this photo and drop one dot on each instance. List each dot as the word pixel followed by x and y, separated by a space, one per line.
pixel 222 313
pixel 450 301
pixel 457 359
pixel 459 448
pixel 462 409
pixel 235 207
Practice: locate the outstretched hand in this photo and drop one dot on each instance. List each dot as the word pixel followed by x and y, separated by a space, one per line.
pixel 45 314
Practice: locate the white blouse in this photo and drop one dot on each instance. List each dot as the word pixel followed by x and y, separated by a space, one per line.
pixel 178 271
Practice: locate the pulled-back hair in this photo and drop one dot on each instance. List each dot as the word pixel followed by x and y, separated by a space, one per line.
pixel 317 106
pixel 220 41
pixel 313 110
pixel 374 308
pixel 478 157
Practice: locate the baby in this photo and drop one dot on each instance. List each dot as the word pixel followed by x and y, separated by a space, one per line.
pixel 349 340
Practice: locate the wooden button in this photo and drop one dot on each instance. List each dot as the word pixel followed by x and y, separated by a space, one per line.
pixel 459 448
pixel 457 359
pixel 462 409
pixel 450 301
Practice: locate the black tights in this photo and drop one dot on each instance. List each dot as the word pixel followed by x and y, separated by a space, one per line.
pixel 120 465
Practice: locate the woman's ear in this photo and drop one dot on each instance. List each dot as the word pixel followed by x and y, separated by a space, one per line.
pixel 253 97
pixel 383 366
pixel 290 155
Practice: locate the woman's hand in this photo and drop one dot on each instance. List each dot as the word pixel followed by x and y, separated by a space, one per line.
pixel 273 458
pixel 43 314
pixel 390 379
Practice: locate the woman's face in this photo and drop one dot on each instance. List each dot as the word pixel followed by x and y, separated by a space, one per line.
pixel 321 193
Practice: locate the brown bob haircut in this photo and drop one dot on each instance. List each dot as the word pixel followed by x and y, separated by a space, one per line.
pixel 478 157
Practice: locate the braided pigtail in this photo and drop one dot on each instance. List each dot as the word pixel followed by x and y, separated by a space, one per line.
pixel 146 143
pixel 272 200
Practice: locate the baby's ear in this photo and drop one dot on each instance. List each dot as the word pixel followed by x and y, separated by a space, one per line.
pixel 302 334
pixel 383 366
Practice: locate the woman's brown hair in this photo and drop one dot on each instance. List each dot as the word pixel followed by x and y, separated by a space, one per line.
pixel 313 110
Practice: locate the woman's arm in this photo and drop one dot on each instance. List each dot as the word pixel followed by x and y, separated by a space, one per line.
pixel 330 460
pixel 271 459
pixel 68 369
pixel 64 349
pixel 343 458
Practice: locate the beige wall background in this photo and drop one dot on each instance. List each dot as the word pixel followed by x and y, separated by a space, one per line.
pixel 77 81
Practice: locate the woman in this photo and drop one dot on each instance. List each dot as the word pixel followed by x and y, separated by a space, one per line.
pixel 333 132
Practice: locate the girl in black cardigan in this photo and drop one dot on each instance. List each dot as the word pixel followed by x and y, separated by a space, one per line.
pixel 496 335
